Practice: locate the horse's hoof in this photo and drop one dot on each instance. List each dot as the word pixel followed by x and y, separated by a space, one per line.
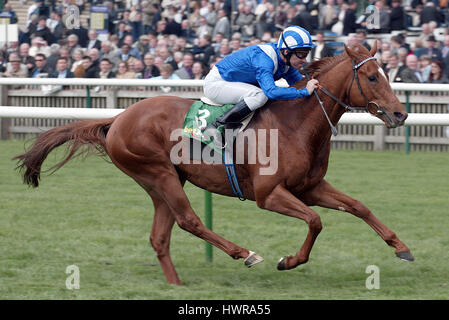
pixel 405 255
pixel 282 264
pixel 252 259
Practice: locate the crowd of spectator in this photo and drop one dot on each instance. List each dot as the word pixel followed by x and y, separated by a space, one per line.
pixel 181 39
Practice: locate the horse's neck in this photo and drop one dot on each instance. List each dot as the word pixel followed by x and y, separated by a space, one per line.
pixel 305 118
pixel 336 81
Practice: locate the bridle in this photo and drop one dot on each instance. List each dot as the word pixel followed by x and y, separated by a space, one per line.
pixel 349 107
pixel 355 76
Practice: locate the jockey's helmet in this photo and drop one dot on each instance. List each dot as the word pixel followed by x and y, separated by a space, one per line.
pixel 295 37
pixel 295 40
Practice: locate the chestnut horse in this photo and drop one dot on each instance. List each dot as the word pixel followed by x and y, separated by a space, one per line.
pixel 138 143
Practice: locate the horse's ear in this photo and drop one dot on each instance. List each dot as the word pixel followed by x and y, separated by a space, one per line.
pixel 373 50
pixel 350 52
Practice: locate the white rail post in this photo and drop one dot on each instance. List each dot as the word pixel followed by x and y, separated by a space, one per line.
pixel 379 137
pixel 111 98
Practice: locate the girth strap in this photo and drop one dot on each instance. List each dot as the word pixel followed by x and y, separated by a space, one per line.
pixel 232 175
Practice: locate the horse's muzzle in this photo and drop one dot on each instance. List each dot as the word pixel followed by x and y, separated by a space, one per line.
pixel 400 117
pixel 394 119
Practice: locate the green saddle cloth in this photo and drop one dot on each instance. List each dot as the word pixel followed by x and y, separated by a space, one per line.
pixel 199 116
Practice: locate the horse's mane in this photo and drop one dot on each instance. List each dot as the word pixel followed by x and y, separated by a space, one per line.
pixel 323 65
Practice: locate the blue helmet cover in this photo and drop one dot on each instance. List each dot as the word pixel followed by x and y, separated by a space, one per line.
pixel 295 37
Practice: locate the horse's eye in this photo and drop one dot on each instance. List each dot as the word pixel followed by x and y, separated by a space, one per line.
pixel 372 78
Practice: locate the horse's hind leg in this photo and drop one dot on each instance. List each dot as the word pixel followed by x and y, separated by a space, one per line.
pixel 165 182
pixel 324 195
pixel 160 238
pixel 170 189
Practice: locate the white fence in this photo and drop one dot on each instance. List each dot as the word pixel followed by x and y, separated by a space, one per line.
pixel 429 109
pixel 397 86
pixel 414 119
pixel 101 82
pixel 422 87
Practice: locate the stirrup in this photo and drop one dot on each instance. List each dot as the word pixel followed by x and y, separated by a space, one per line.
pixel 214 133
pixel 221 146
pixel 218 143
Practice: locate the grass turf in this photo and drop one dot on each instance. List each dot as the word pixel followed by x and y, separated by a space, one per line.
pixel 91 215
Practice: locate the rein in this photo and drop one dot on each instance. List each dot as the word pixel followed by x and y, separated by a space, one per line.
pixel 348 107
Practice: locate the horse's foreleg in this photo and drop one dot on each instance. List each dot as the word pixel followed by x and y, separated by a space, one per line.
pixel 160 238
pixel 324 195
pixel 282 201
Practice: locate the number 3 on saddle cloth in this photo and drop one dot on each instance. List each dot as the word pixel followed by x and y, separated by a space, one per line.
pixel 200 115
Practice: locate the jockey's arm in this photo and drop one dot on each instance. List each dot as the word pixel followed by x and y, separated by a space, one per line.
pixel 292 76
pixel 266 81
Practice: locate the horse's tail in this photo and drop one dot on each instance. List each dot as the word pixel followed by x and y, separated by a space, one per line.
pixel 90 133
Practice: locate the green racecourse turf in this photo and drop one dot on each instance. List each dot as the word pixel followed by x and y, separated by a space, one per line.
pixel 91 215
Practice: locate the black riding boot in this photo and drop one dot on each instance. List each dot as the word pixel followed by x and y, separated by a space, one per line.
pixel 234 116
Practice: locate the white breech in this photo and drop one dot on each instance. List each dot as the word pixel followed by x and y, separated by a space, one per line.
pixel 225 92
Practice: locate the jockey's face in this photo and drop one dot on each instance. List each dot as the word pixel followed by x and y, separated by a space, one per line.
pixel 298 58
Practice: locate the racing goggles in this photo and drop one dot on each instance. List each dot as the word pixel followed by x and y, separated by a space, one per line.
pixel 300 54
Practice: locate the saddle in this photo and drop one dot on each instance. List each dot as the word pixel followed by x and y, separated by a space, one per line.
pixel 204 112
pixel 201 113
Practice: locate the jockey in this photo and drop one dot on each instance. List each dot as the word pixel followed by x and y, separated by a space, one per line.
pixel 246 77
